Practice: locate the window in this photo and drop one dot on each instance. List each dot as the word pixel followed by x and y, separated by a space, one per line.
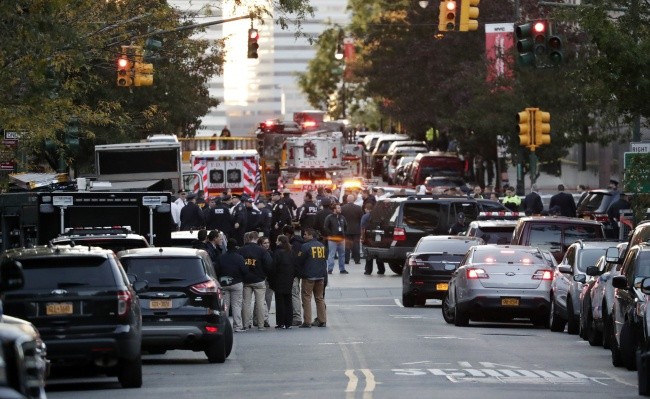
pixel 67 272
pixel 589 257
pixel 584 232
pixel 424 216
pixel 160 270
pixel 546 237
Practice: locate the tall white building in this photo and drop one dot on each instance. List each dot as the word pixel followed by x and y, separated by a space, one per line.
pixel 252 90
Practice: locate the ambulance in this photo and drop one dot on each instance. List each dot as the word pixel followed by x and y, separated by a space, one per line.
pixel 220 170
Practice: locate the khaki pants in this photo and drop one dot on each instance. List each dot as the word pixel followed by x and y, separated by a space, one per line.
pixel 317 287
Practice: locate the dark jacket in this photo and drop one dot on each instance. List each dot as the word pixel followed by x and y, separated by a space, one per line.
pixel 296 243
pixel 320 220
pixel 352 214
pixel 566 203
pixel 335 226
pixel 281 215
pixel 258 260
pixel 533 204
pixel 284 270
pixel 266 218
pixel 231 268
pixel 312 260
pixel 218 218
pixel 307 215
pixel 615 208
pixel 191 217
pixel 253 219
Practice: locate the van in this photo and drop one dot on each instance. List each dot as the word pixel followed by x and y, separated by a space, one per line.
pixel 435 163
pixel 555 233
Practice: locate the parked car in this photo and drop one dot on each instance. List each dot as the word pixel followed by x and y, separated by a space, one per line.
pixel 492 231
pixel 643 354
pixel 428 268
pixel 182 307
pixel 396 224
pixel 627 322
pixel 440 184
pixel 499 282
pixel 555 233
pixel 597 301
pixel 380 150
pixel 84 306
pixel 568 280
pixel 434 163
pixel 398 175
pixel 595 206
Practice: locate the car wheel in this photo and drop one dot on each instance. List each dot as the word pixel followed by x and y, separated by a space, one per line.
pixel 627 347
pixel 617 360
pixel 396 267
pixel 573 323
pixel 584 322
pixel 447 313
pixel 216 351
pixel 228 335
pixel 461 319
pixel 607 330
pixel 130 373
pixel 594 336
pixel 408 300
pixel 555 322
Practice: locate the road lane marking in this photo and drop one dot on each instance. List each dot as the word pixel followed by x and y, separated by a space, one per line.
pixel 353 380
pixel 370 380
pixel 505 376
pixel 398 303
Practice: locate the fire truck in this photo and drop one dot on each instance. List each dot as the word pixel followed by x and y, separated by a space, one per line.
pixel 220 170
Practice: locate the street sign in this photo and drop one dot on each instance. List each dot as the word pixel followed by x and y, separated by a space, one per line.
pixel 7 165
pixel 151 200
pixel 62 200
pixel 640 148
pixel 627 161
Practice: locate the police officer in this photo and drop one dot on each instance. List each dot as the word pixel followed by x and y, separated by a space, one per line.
pixel 312 266
pixel 307 213
pixel 217 216
pixel 191 214
pixel 281 216
pixel 239 218
pixel 253 215
pixel 266 218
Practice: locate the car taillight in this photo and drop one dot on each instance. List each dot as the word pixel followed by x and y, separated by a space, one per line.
pixel 211 329
pixel 399 234
pixel 416 262
pixel 473 274
pixel 601 217
pixel 543 275
pixel 206 287
pixel 123 302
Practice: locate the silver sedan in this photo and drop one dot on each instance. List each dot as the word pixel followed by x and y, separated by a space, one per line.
pixel 499 282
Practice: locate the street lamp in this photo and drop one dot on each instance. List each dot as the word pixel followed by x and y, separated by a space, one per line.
pixel 423 3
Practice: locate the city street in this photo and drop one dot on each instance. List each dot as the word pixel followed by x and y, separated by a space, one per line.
pixel 373 347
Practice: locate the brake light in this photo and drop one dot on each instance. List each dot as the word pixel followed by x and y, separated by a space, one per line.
pixel 211 329
pixel 601 217
pixel 206 287
pixel 123 302
pixel 416 262
pixel 545 275
pixel 399 234
pixel 473 274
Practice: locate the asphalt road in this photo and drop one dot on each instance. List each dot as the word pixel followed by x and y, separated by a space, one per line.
pixel 373 347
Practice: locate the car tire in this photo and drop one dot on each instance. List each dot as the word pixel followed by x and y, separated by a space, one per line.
pixel 627 347
pixel 607 330
pixel 461 318
pixel 617 360
pixel 216 351
pixel 228 336
pixel 584 319
pixel 129 373
pixel 396 266
pixel 573 323
pixel 594 337
pixel 447 313
pixel 408 300
pixel 555 322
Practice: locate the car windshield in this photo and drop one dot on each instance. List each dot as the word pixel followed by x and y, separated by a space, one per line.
pixel 546 237
pixel 444 182
pixel 62 272
pixel 439 171
pixel 164 270
pixel 589 257
pixel 596 201
pixel 443 247
pixel 501 256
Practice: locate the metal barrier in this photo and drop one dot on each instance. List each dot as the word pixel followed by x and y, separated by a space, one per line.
pixel 189 144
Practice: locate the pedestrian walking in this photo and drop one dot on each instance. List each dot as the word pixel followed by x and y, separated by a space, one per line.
pixel 365 221
pixel 313 270
pixel 353 214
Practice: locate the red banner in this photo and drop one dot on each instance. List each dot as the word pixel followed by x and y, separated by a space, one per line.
pixel 499 40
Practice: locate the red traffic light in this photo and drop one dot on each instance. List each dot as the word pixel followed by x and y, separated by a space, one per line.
pixel 539 27
pixel 122 62
pixel 253 34
pixel 451 5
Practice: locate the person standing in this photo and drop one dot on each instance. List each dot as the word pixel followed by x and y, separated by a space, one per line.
pixel 296 243
pixel 231 272
pixel 321 215
pixel 265 243
pixel 614 213
pixel 307 213
pixel 226 142
pixel 564 201
pixel 477 192
pixel 289 202
pixel 352 214
pixel 284 270
pixel 177 205
pixel 191 215
pixel 253 215
pixel 459 226
pixel 313 269
pixel 281 216
pixel 213 246
pixel 334 228
pixel 217 216
pixel 583 193
pixel 260 264
pixel 365 222
pixel 511 201
pixel 368 198
pixel 239 218
pixel 533 202
pixel 266 218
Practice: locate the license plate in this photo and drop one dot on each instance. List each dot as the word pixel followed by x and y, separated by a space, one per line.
pixel 377 237
pixel 56 309
pixel 160 304
pixel 442 287
pixel 509 301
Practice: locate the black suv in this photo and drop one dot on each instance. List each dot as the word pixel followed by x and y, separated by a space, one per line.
pixel 182 307
pixel 627 318
pixel 397 223
pixel 595 206
pixel 84 306
pixel 428 269
pixel 114 238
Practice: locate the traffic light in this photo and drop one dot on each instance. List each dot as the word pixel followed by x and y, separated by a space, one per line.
pixel 556 52
pixel 540 32
pixel 253 36
pixel 542 128
pixel 525 44
pixel 447 19
pixel 468 15
pixel 525 128
pixel 124 71
pixel 143 75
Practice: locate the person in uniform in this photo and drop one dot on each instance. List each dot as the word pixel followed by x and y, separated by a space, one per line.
pixel 239 218
pixel 291 204
pixel 260 265
pixel 217 216
pixel 312 266
pixel 307 213
pixel 191 215
pixel 280 216
pixel 511 201
pixel 253 215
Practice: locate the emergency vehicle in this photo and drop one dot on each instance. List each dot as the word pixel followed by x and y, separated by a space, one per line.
pixel 220 170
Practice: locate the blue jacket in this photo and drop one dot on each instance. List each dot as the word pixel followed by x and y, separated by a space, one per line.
pixel 312 260
pixel 259 262
pixel 231 268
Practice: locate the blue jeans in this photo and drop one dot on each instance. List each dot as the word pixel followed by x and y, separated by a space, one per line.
pixel 336 247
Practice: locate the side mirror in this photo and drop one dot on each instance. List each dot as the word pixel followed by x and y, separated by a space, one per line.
pixel 612 255
pixel 619 282
pixel 592 271
pixel 11 275
pixel 645 286
pixel 580 278
pixel 564 269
